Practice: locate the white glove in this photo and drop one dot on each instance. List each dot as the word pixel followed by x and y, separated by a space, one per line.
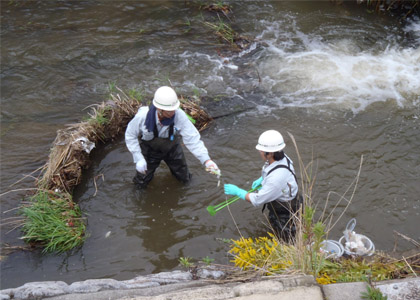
pixel 141 166
pixel 212 167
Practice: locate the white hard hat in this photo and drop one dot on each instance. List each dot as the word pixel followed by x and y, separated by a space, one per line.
pixel 270 141
pixel 165 98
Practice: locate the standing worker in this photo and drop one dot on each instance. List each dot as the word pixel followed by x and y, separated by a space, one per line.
pixel 279 189
pixel 159 128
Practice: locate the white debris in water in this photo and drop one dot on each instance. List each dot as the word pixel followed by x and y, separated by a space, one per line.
pixel 107 234
pixel 86 144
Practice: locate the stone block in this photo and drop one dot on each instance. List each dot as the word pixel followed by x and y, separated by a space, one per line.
pixel 400 289
pixel 344 291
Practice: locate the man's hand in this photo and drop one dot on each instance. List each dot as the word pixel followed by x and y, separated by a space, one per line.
pixel 212 167
pixel 141 166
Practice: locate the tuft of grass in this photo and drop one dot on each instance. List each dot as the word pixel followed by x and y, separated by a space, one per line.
pixel 224 31
pixel 188 25
pixel 186 262
pixel 373 294
pixel 136 94
pixel 112 87
pixel 99 118
pixel 207 260
pixel 54 221
pixel 196 94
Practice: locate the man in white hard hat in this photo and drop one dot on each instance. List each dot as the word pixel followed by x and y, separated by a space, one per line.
pixel 159 128
pixel 279 186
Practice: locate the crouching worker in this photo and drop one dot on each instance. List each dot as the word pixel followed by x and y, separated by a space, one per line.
pixel 279 186
pixel 154 135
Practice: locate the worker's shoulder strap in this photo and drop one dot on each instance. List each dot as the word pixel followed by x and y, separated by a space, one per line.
pixel 278 167
pixel 285 167
pixel 171 131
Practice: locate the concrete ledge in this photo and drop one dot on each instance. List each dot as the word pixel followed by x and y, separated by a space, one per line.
pixel 176 285
pixel 179 285
pixel 268 288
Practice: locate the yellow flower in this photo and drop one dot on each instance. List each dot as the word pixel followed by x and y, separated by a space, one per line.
pixel 325 279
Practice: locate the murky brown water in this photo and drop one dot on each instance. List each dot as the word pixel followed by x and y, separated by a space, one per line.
pixel 344 82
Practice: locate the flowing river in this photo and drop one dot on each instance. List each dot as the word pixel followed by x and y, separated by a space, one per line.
pixel 344 82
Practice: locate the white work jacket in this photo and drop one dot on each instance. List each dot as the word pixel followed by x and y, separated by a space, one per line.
pixel 280 185
pixel 182 125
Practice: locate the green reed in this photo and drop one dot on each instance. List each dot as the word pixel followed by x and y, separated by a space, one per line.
pixel 54 221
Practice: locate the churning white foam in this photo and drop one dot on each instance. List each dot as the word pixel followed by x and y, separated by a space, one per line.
pixel 339 73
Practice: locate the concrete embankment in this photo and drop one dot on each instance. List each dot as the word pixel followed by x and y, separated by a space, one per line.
pixel 209 284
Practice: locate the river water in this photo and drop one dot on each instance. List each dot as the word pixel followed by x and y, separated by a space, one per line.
pixel 344 82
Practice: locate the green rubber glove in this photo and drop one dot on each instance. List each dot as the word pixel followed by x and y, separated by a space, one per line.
pixel 231 189
pixel 257 182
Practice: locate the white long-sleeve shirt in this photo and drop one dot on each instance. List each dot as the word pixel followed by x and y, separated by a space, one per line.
pixel 182 125
pixel 280 185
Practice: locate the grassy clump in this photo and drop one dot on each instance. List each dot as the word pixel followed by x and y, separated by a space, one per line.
pixel 229 36
pixel 265 253
pixel 358 269
pixel 224 31
pixel 53 221
pixel 186 262
pixel 373 294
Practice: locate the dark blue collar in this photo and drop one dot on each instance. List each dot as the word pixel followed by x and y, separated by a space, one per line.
pixel 151 119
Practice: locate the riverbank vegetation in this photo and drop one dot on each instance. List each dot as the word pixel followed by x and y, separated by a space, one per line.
pixel 217 17
pixel 52 219
pixel 271 256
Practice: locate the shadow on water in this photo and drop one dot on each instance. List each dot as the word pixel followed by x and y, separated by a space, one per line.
pixel 155 224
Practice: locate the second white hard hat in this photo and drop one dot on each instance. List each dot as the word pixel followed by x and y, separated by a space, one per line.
pixel 270 141
pixel 165 98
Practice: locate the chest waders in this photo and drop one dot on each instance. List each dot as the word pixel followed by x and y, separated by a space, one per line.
pixel 167 149
pixel 280 213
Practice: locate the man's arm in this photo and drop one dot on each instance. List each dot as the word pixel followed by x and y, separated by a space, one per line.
pixel 132 136
pixel 191 137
